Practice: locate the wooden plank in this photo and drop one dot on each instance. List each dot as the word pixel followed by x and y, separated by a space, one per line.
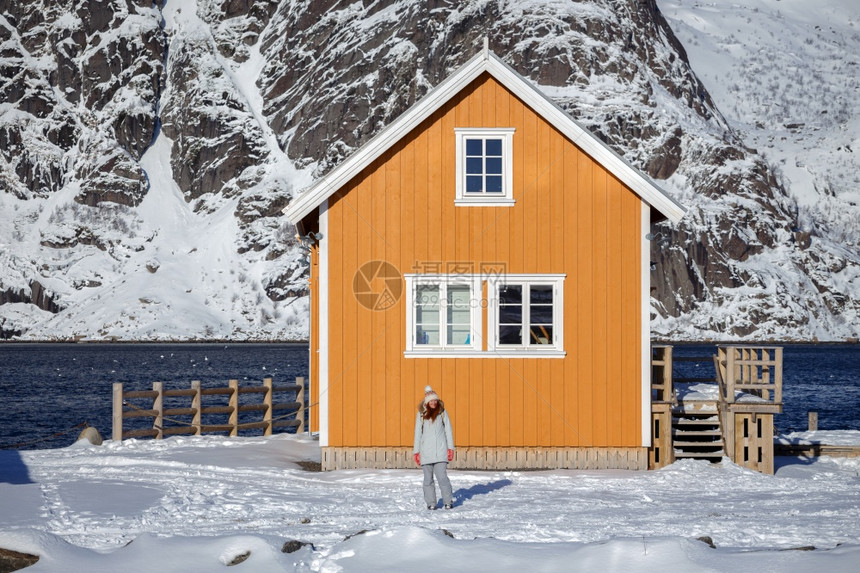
pixel 546 413
pixel 253 407
pixel 360 388
pixel 267 403
pixel 481 410
pixel 151 394
pixel 158 406
pixel 605 415
pixel 234 404
pixel 196 405
pixel 397 172
pixel 342 391
pixel 145 433
pixel 505 407
pixel 178 393
pixel 528 372
pixel 572 302
pixel 630 392
pixel 117 407
pixel 139 413
pixel 616 350
pixel 179 412
pixel 375 418
pixel 585 293
pixel 178 430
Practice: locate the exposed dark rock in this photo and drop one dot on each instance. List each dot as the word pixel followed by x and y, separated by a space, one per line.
pixel 290 284
pixel 15 561
pixel 294 545
pixel 362 532
pixel 110 174
pixel 241 558
pixel 310 466
pixel 42 298
pixel 81 235
pixel 336 73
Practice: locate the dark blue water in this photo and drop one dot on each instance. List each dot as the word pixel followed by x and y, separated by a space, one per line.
pixel 824 378
pixel 50 388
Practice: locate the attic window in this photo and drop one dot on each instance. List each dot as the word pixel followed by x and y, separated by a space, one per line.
pixel 484 166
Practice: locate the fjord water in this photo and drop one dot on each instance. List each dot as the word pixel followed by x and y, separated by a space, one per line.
pixel 51 388
pixel 819 377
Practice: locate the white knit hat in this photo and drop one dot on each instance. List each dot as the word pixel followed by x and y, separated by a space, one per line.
pixel 429 394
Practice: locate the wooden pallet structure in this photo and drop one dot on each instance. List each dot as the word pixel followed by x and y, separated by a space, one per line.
pixel 728 413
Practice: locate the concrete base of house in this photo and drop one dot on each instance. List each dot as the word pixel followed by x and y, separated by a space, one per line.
pixel 519 458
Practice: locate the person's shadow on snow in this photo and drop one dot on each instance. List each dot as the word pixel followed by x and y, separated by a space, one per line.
pixel 13 469
pixel 480 489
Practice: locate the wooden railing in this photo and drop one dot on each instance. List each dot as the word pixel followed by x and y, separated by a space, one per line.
pixel 189 420
pixel 662 388
pixel 755 370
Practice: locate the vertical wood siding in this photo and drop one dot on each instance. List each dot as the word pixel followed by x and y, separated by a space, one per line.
pixel 571 216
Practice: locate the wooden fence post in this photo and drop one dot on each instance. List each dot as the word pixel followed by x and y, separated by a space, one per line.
pixel 267 402
pixel 196 404
pixel 117 411
pixel 731 375
pixel 667 374
pixel 813 420
pixel 777 375
pixel 158 406
pixel 300 398
pixel 234 404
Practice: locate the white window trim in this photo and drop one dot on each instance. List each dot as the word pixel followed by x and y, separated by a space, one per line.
pixel 556 349
pixel 414 350
pixel 504 199
pixel 494 350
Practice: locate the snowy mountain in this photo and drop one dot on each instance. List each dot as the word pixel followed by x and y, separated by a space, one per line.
pixel 786 75
pixel 146 150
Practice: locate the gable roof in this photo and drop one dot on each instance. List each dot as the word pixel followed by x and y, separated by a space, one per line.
pixel 488 62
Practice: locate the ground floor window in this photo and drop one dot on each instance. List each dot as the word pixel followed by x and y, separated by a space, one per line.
pixel 441 313
pixel 525 313
pixel 485 317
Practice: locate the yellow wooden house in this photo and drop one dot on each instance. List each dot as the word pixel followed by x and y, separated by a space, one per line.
pixel 486 244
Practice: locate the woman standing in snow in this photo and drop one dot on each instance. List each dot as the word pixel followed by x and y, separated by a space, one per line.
pixel 434 447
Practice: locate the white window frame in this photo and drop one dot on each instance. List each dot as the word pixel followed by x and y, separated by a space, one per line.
pixel 483 198
pixel 556 348
pixel 415 350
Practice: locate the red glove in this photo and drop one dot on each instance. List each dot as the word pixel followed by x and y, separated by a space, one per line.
pixel 450 455
pixel 417 458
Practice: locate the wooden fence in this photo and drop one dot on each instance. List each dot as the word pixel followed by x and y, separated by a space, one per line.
pixel 136 404
pixel 755 370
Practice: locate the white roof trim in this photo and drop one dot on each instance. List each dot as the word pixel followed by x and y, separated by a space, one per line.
pixel 485 61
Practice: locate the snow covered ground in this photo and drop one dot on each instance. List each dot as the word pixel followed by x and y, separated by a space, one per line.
pixel 195 504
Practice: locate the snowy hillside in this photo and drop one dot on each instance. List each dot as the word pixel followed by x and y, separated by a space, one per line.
pixel 786 75
pixel 146 152
pixel 173 264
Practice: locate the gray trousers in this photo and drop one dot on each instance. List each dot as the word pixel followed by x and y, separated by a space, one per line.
pixel 440 471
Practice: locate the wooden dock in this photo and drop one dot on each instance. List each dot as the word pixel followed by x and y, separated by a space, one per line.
pixel 729 413
pixel 816 450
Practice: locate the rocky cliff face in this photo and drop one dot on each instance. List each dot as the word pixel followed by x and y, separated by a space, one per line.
pixel 219 110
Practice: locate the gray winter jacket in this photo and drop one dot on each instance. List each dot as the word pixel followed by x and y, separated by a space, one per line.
pixel 433 439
